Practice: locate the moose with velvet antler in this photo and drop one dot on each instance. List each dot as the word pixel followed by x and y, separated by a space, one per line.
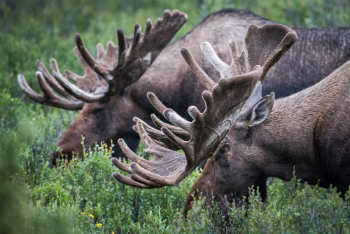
pixel 246 137
pixel 114 86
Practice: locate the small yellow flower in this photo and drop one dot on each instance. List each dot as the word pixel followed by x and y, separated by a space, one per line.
pixel 82 213
pixel 92 216
pixel 112 232
pixel 99 225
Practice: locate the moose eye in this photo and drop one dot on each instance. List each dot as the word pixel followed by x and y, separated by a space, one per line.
pixel 223 161
pixel 98 110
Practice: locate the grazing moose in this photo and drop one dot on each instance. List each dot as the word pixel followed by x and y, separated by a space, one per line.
pixel 226 102
pixel 246 139
pixel 114 86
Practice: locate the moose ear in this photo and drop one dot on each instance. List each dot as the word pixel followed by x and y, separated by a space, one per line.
pixel 254 97
pixel 257 113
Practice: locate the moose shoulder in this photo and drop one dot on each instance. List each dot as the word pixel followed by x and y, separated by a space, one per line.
pixel 145 64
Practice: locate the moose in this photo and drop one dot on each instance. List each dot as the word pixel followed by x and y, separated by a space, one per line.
pixel 114 86
pixel 247 137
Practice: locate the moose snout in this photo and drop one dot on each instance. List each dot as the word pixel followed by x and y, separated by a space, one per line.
pixel 64 155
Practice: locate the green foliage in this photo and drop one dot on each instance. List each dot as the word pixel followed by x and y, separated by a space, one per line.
pixel 81 196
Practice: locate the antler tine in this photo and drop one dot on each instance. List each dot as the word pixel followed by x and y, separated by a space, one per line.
pixel 128 181
pixel 121 46
pixel 49 97
pixel 99 68
pixel 218 64
pixel 74 90
pixel 90 80
pixel 148 26
pixel 100 50
pixel 223 103
pixel 71 74
pixel 178 131
pixel 137 36
pixel 156 135
pixel 52 82
pixel 200 74
pixel 144 181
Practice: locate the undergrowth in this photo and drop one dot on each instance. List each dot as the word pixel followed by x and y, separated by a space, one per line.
pixel 82 196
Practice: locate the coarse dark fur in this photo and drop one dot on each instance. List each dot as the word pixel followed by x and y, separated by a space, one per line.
pixel 315 55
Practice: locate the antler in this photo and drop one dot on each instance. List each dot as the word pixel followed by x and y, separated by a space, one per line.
pixel 89 86
pixel 45 80
pixel 76 96
pixel 90 80
pixel 112 71
pixel 135 55
pixel 224 101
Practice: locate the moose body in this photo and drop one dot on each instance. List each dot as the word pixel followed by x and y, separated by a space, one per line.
pixel 174 83
pixel 247 137
pixel 307 132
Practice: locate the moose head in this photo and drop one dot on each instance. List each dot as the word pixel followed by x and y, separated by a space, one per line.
pixel 103 92
pixel 235 101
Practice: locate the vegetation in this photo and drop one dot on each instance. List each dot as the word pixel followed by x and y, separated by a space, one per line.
pixel 81 196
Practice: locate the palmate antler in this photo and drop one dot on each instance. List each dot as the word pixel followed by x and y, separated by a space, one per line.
pixel 111 72
pixel 47 83
pixel 135 55
pixel 200 138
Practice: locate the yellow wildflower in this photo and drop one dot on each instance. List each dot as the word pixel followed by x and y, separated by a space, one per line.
pixel 92 216
pixel 82 213
pixel 99 225
pixel 112 232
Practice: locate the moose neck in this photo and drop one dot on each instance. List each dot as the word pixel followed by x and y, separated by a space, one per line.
pixel 289 137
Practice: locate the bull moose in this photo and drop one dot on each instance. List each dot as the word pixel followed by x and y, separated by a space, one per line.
pixel 114 86
pixel 246 137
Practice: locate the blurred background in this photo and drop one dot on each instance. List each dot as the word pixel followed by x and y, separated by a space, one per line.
pixel 34 197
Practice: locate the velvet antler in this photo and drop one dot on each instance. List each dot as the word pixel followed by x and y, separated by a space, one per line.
pixel 112 71
pixel 135 55
pixel 47 84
